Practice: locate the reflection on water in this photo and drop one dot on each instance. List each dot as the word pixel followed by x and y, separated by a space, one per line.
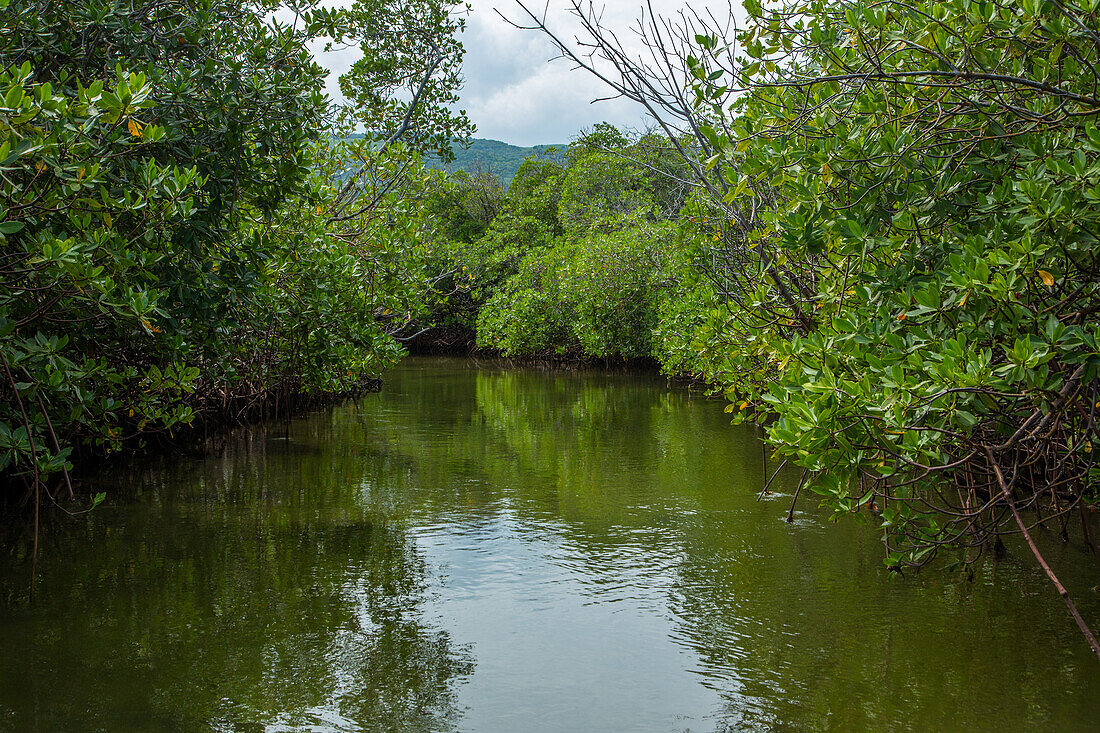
pixel 477 549
pixel 256 590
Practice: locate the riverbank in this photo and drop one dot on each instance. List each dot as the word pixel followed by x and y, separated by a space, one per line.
pixel 459 342
pixel 215 413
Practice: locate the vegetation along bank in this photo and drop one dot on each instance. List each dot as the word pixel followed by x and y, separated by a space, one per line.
pixel 872 225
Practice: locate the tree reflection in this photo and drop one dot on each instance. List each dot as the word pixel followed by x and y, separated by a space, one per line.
pixel 250 591
pixel 286 583
pixel 794 627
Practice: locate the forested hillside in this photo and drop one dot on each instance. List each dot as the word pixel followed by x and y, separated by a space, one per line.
pixel 493 156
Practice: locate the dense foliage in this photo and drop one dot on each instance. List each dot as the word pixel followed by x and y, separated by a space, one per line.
pixel 925 186
pixel 914 306
pixel 492 156
pixel 173 240
pixel 573 261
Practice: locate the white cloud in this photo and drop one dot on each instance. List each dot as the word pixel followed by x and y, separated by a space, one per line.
pixel 338 62
pixel 550 104
pixel 515 90
pixel 518 92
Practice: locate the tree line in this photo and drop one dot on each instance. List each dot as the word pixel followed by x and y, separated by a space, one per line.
pixel 189 234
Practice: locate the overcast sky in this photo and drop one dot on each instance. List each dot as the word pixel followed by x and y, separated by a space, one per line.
pixel 514 92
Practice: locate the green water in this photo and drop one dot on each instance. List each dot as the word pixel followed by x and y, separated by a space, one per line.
pixel 480 549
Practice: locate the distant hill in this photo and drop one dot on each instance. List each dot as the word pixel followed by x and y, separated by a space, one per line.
pixel 493 156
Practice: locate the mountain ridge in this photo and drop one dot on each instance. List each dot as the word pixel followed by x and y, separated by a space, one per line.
pixel 495 156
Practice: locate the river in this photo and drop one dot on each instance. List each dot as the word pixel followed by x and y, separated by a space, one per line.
pixel 480 548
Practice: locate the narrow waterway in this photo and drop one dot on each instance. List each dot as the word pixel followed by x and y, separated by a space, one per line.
pixel 487 549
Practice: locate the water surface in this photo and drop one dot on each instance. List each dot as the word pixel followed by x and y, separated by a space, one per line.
pixel 488 549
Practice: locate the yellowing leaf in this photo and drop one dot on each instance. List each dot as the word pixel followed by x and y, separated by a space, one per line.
pixel 1048 279
pixel 134 126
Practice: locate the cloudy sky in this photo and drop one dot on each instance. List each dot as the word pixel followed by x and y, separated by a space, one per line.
pixel 514 92
pixel 514 89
